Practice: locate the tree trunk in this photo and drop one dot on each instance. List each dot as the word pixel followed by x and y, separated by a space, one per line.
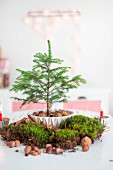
pixel 48 107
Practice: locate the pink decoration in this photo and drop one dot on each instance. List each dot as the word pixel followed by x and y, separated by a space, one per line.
pixel 89 105
pixel 4 65
pixel 31 106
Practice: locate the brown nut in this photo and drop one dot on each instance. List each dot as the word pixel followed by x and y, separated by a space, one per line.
pixel 49 149
pixel 47 145
pixel 7 143
pixel 85 148
pixel 31 152
pixel 35 148
pixel 59 151
pixel 64 113
pixel 35 153
pixel 59 114
pixel 27 149
pixel 17 143
pixel 39 152
pixel 11 144
pixel 42 114
pixel 86 141
pixel 44 150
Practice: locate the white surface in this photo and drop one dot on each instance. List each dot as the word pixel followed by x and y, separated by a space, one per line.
pixel 97 158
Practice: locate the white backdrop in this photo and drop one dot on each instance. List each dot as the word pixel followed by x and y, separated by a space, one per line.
pixel 95 59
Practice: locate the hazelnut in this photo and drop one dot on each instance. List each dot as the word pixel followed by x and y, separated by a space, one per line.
pixel 11 144
pixel 64 113
pixel 27 149
pixel 7 143
pixel 58 151
pixel 35 148
pixel 49 149
pixel 42 114
pixel 86 141
pixel 31 152
pixel 44 150
pixel 47 145
pixel 39 152
pixel 17 143
pixel 34 153
pixel 59 114
pixel 85 148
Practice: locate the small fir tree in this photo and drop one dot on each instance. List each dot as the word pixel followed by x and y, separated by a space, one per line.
pixel 46 81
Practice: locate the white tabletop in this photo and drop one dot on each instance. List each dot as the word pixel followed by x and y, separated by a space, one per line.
pixel 99 157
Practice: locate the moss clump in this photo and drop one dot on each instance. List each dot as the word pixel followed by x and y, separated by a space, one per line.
pixel 66 138
pixel 29 134
pixel 69 134
pixel 85 126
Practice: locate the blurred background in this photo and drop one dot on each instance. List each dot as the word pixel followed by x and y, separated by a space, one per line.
pixel 82 35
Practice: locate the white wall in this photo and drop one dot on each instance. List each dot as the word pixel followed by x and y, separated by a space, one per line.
pixel 20 43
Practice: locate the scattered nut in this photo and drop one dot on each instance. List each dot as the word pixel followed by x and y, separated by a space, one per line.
pixel 58 151
pixel 35 148
pixel 27 149
pixel 49 149
pixel 35 153
pixel 44 150
pixel 85 148
pixel 39 152
pixel 17 143
pixel 11 144
pixel 47 145
pixel 7 143
pixel 86 141
pixel 31 152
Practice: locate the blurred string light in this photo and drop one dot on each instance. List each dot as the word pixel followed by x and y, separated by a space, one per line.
pixel 48 20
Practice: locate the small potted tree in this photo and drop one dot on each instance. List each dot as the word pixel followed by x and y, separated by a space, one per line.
pixel 47 81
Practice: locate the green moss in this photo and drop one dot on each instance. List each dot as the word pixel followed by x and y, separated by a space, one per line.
pixel 85 126
pixel 31 133
pixel 67 136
